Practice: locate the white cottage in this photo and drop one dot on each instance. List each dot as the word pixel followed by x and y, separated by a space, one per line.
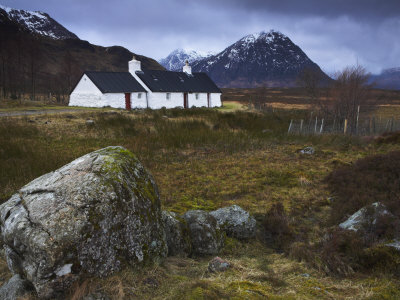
pixel 146 89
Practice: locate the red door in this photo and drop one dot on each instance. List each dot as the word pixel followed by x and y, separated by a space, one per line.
pixel 185 100
pixel 208 100
pixel 128 101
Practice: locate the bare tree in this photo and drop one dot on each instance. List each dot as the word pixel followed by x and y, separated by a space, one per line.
pixel 310 80
pixel 349 91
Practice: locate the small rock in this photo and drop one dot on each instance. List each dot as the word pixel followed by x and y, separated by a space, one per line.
pixel 217 264
pixel 305 275
pixel 395 245
pixel 206 236
pixel 368 214
pixel 89 122
pixel 31 121
pixel 47 122
pixel 235 221
pixel 176 234
pixel 15 288
pixel 266 131
pixel 307 151
pixel 165 117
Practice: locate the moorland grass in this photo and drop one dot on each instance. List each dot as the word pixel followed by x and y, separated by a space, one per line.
pixel 206 159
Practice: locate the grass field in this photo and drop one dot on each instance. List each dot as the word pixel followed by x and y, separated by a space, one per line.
pixel 206 159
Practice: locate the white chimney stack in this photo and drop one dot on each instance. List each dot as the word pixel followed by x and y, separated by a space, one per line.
pixel 187 69
pixel 134 65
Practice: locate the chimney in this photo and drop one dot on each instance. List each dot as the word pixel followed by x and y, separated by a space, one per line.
pixel 134 65
pixel 187 69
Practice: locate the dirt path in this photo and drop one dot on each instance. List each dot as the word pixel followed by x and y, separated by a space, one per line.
pixel 36 112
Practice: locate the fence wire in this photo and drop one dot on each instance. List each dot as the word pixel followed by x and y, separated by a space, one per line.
pixel 364 127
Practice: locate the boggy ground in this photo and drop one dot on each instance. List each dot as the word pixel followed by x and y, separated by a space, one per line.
pixel 206 159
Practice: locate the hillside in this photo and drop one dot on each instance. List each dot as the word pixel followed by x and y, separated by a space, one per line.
pixel 388 79
pixel 37 61
pixel 268 59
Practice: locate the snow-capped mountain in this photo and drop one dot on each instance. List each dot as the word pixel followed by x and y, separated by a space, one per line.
pixel 261 59
pixel 177 58
pixel 35 22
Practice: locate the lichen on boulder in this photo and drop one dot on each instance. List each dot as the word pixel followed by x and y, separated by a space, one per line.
pixel 177 234
pixel 206 236
pixel 235 221
pixel 90 217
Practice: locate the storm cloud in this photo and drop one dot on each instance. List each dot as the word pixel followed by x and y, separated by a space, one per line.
pixel 334 34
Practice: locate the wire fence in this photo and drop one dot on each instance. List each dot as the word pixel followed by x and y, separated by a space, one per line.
pixel 364 127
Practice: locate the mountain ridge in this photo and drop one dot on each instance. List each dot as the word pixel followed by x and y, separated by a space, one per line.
pixel 36 22
pixel 177 58
pixel 268 59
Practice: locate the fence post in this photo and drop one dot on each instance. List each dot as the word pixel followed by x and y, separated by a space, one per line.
pixel 373 125
pixel 322 126
pixel 290 126
pixel 358 114
pixel 334 125
pixel 345 126
pixel 301 125
pixel 316 122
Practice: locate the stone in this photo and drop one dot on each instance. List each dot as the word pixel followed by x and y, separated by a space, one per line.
pixel 218 264
pixel 90 217
pixel 176 234
pixel 235 221
pixel 15 288
pixel 366 215
pixel 90 122
pixel 307 151
pixel 395 244
pixel 206 236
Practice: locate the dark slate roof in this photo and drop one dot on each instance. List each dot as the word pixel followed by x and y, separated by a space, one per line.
pixel 168 81
pixel 115 82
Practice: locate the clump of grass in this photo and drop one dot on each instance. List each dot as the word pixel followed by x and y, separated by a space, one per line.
pixel 371 179
pixel 278 231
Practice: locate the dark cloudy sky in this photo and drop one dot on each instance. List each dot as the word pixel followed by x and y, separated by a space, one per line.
pixel 333 33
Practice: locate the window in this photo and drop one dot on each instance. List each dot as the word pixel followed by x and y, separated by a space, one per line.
pixel 197 96
pixel 168 95
pixel 139 95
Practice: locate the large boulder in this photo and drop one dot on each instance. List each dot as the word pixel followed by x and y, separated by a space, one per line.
pixel 176 234
pixel 206 236
pixel 90 217
pixel 366 217
pixel 15 288
pixel 235 221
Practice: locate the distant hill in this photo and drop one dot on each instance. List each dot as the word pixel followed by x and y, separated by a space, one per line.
pixel 268 59
pixel 388 79
pixel 41 56
pixel 177 58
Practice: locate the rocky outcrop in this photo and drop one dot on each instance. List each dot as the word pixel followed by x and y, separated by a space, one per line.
pixel 15 288
pixel 177 234
pixel 90 217
pixel 235 221
pixel 206 236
